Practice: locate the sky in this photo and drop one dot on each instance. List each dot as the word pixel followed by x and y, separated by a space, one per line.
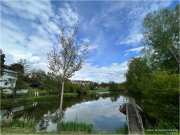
pixel 113 29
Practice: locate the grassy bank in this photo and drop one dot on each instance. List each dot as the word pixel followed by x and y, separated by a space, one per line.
pixel 5 103
pixel 19 131
pixel 26 126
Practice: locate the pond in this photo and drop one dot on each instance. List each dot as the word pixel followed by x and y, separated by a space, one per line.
pixel 101 110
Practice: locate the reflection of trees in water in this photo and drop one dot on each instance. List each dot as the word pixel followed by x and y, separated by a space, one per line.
pixel 42 108
pixel 54 117
pixel 37 112
pixel 113 96
pixel 157 107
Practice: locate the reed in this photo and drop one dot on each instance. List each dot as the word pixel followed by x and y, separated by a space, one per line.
pixel 22 122
pixel 76 127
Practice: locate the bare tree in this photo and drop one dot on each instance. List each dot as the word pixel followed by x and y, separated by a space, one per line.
pixel 25 64
pixel 67 57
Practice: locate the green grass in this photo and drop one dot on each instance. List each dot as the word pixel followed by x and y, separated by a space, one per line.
pixel 19 126
pixel 20 130
pixel 32 91
pixel 24 123
pixel 76 127
pixel 17 130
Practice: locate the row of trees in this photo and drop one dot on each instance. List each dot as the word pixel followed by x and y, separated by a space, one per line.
pixel 38 79
pixel 155 76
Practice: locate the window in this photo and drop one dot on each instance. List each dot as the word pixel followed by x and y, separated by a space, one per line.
pixel 6 83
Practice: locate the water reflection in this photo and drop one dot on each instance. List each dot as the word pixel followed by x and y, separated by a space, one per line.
pixel 34 104
pixel 19 108
pixel 50 121
pixel 103 113
pixel 5 113
pixel 101 110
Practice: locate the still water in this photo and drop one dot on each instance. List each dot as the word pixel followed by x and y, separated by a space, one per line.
pixel 101 110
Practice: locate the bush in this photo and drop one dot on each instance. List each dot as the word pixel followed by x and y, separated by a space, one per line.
pixel 161 98
pixel 122 130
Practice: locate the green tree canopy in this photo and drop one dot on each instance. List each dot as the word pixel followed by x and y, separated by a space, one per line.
pixel 137 72
pixel 161 38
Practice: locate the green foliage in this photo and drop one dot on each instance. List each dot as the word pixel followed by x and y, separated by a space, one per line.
pixel 161 94
pixel 162 84
pixel 113 86
pixel 138 71
pixel 76 127
pixel 37 78
pixel 2 60
pixel 165 125
pixel 161 30
pixel 122 130
pixel 154 77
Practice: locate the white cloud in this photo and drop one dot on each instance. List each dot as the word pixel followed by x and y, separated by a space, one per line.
pixel 102 107
pixel 68 15
pixel 91 45
pixel 34 44
pixel 126 54
pixel 133 38
pixel 40 44
pixel 137 49
pixel 41 65
pixel 42 34
pixel 115 72
pixel 29 9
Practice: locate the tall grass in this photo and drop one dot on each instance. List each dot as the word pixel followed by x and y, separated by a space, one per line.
pixel 76 127
pixel 22 122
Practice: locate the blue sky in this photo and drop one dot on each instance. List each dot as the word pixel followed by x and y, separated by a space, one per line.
pixel 113 30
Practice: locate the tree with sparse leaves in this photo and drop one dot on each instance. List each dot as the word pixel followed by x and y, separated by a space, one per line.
pixel 66 58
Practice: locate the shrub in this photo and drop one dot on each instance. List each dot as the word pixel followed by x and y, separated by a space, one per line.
pixel 122 130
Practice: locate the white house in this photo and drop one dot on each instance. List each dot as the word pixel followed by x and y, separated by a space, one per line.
pixel 82 82
pixel 7 78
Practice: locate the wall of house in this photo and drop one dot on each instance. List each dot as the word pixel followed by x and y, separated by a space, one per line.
pixel 8 79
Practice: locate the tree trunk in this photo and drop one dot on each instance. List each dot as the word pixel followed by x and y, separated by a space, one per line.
pixel 14 95
pixel 62 92
pixel 176 57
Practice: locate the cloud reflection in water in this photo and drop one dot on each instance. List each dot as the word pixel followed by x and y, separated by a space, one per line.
pixel 103 113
